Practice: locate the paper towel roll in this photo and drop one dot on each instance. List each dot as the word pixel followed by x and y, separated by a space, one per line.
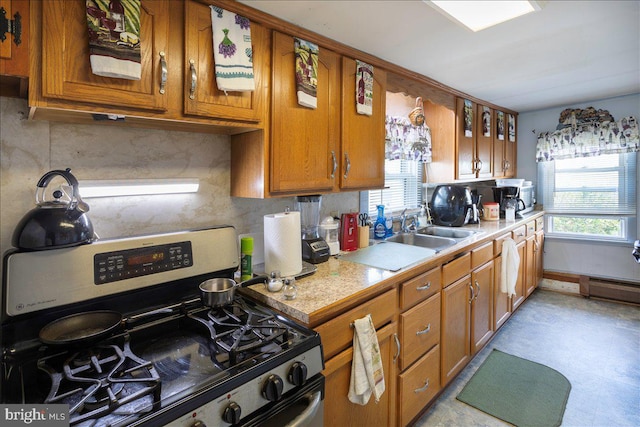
pixel 283 243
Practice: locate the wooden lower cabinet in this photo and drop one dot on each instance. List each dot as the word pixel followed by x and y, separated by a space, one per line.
pixel 338 410
pixel 455 327
pixel 482 306
pixel 418 385
pixel 419 330
pixel 520 295
pixel 539 255
pixel 501 301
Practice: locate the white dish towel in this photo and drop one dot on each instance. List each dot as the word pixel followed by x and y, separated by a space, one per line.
pixel 367 376
pixel 510 267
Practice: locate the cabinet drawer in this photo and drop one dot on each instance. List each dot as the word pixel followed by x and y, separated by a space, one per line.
pixel 420 288
pixel 481 255
pixel 497 243
pixel 519 234
pixel 456 269
pixel 337 333
pixel 420 330
pixel 540 223
pixel 531 228
pixel 418 385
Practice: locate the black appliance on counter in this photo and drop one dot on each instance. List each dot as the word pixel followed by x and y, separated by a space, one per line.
pixel 451 205
pixel 168 359
pixel 509 196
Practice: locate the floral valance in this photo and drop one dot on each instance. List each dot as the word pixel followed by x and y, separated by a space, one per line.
pixel 585 133
pixel 404 140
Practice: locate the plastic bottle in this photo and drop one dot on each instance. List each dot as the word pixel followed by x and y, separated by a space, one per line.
pixel 380 227
pixel 422 217
pixel 246 252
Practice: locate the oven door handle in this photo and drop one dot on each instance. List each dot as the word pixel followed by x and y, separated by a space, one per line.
pixel 310 411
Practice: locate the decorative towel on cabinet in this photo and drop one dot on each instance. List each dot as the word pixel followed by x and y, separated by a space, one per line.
pixel 364 88
pixel 114 38
pixel 306 72
pixel 232 51
pixel 367 376
pixel 510 266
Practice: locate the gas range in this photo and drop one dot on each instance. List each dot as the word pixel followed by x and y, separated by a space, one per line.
pixel 171 360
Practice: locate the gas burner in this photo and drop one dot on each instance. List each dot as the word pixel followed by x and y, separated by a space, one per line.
pixel 239 332
pixel 96 381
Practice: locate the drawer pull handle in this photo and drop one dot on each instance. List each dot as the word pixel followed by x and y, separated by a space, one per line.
pixel 395 357
pixel 425 330
pixel 163 74
pixel 425 287
pixel 423 388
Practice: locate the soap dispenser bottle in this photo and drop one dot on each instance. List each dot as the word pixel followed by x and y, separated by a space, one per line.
pixel 380 227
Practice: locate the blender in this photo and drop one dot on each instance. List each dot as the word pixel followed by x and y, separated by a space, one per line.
pixel 314 248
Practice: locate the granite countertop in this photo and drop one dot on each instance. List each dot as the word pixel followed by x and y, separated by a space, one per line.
pixel 338 283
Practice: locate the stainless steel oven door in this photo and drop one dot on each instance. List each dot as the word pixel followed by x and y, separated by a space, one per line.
pixel 303 408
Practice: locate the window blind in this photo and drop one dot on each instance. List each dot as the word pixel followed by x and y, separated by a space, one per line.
pixel 601 185
pixel 403 187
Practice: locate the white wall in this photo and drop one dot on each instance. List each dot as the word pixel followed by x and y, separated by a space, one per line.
pixel 28 149
pixel 596 259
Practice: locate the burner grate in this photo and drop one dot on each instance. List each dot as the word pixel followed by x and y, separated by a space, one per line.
pixel 97 381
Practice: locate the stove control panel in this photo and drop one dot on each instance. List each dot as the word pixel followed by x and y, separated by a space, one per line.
pixel 125 264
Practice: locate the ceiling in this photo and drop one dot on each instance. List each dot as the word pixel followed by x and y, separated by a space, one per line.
pixel 567 53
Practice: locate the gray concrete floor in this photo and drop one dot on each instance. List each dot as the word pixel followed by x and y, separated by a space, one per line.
pixel 595 344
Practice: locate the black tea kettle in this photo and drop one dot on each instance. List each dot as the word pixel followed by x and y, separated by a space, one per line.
pixel 56 223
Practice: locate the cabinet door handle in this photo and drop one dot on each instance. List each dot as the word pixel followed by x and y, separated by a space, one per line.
pixel 164 72
pixel 423 388
pixel 335 164
pixel 424 288
pixel 477 293
pixel 395 337
pixel 194 79
pixel 472 293
pixel 479 167
pixel 425 330
pixel 536 246
pixel 348 168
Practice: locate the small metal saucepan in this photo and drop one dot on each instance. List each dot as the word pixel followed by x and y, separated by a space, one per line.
pixel 80 328
pixel 219 292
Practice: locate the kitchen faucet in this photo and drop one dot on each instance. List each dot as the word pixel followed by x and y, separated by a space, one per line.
pixel 403 222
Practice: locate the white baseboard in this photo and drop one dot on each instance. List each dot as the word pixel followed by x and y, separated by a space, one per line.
pixel 559 286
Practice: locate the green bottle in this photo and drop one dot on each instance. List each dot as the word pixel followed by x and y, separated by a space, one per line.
pixel 246 251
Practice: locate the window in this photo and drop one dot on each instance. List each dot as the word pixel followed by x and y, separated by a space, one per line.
pixel 403 188
pixel 590 197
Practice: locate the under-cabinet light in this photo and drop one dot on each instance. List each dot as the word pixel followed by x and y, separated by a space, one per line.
pixel 478 15
pixel 137 187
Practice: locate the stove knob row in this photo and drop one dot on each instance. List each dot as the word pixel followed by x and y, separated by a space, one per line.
pixel 272 388
pixel 232 413
pixel 297 374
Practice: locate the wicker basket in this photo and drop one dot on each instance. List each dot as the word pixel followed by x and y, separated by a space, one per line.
pixel 416 116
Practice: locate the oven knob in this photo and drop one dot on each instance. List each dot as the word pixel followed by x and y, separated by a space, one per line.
pixel 297 374
pixel 272 389
pixel 231 413
pixel 198 423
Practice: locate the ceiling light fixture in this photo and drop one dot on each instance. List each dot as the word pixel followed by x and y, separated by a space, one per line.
pixel 137 187
pixel 478 15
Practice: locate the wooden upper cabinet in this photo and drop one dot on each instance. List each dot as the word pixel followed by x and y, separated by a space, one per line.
pixel 504 150
pixel 304 141
pixel 201 94
pixel 474 141
pixel 510 152
pixel 65 57
pixel 363 137
pixel 14 56
pixel 484 141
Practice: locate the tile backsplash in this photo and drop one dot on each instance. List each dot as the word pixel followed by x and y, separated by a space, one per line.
pixel 28 149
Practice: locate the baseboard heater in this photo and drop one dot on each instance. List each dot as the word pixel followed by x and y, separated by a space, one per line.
pixel 610 289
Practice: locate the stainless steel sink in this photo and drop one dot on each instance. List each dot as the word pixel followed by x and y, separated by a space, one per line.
pixel 425 241
pixel 450 232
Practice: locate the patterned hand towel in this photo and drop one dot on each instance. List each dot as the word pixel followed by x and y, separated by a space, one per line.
pixel 367 376
pixel 306 72
pixel 232 51
pixel 114 38
pixel 510 267
pixel 364 88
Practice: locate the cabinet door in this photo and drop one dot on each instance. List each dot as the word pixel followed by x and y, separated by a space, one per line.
pixel 518 298
pixel 482 307
pixel 418 385
pixel 65 57
pixel 529 268
pixel 455 327
pixel 484 142
pixel 362 156
pixel 338 410
pixel 205 99
pixel 501 301
pixel 14 58
pixel 539 254
pixel 465 121
pixel 304 141
pixel 499 144
pixel 510 150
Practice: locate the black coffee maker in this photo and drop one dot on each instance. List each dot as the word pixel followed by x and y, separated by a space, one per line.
pixel 475 208
pixel 502 194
